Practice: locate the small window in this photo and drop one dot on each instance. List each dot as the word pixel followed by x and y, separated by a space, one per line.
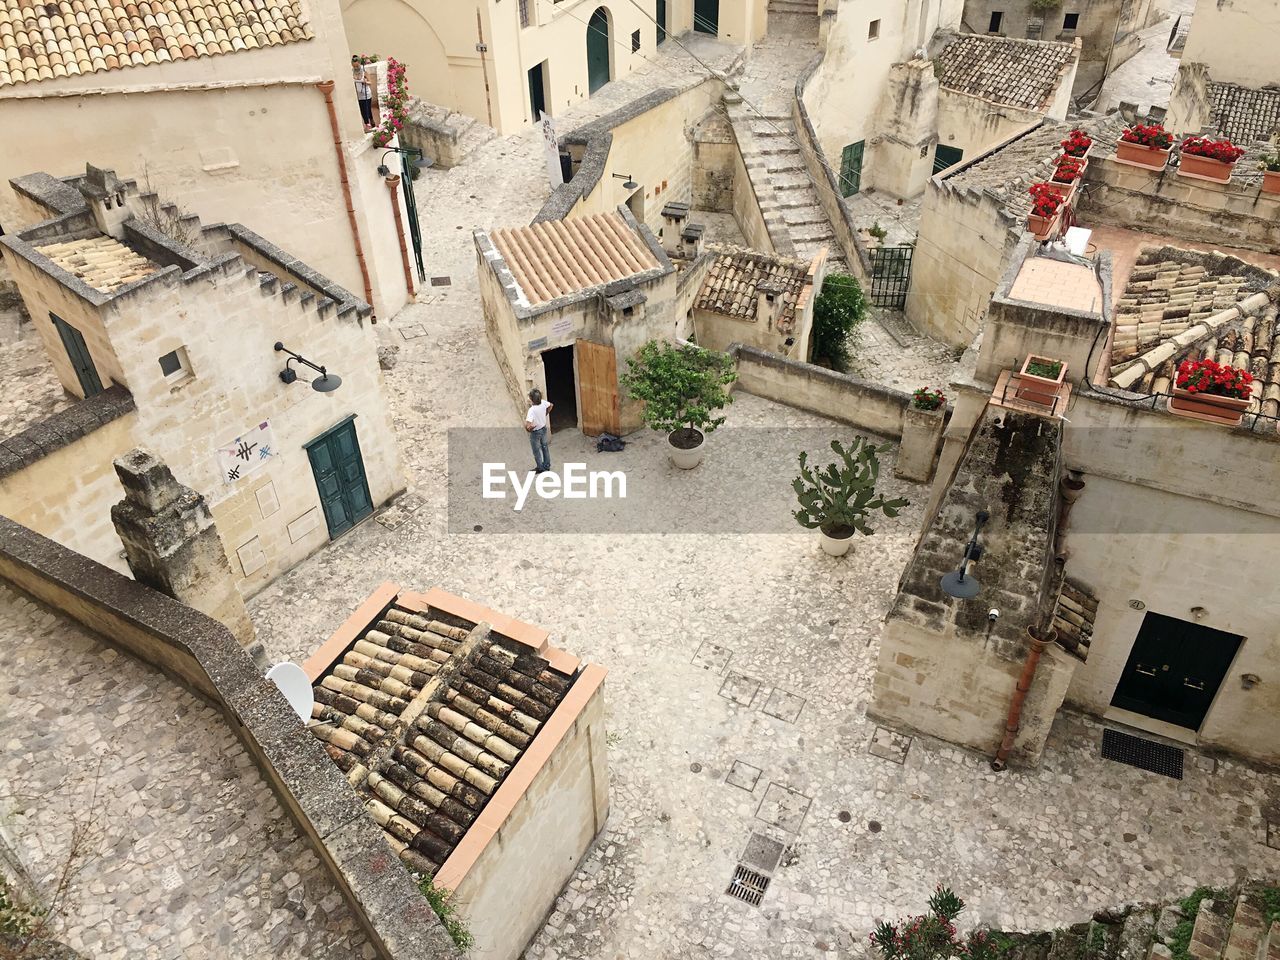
pixel 635 42
pixel 997 18
pixel 1070 21
pixel 174 364
pixel 873 30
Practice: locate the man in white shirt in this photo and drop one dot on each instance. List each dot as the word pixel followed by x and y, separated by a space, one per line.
pixel 537 425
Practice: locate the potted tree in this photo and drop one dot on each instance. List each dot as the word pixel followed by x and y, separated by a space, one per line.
pixel 1145 145
pixel 1207 390
pixel 682 385
pixel 836 500
pixel 921 428
pixel 1066 177
pixel 1204 158
pixel 1046 204
pixel 1040 380
pixel 1270 165
pixel 1078 144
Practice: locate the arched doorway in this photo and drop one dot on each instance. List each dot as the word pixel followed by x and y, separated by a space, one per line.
pixel 598 50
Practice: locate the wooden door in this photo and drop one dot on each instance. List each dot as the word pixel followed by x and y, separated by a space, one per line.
pixel 340 479
pixel 78 354
pixel 597 387
pixel 851 168
pixel 597 50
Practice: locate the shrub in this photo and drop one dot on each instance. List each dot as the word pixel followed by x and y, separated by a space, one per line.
pixel 1270 161
pixel 681 386
pixel 925 399
pixel 932 935
pixel 838 498
pixel 840 307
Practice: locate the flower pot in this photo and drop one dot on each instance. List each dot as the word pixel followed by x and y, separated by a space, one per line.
pixel 835 546
pixel 1042 228
pixel 1035 388
pixel 1271 181
pixel 1065 190
pixel 921 430
pixel 1228 411
pixel 686 458
pixel 1153 158
pixel 1203 168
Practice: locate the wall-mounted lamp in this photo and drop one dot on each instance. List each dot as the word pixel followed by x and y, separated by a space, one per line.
pixel 958 583
pixel 326 383
pixel 419 161
pixel 628 183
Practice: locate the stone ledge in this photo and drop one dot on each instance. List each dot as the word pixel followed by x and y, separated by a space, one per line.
pixel 63 429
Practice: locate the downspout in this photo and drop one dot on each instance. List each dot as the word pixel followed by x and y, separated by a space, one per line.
pixel 326 88
pixel 1020 695
pixel 392 183
pixel 481 47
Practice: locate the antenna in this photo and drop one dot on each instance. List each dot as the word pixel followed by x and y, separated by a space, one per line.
pixel 296 687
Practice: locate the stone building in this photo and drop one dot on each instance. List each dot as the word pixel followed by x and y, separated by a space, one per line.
pixel 477 746
pixel 247 116
pixel 172 345
pixel 506 63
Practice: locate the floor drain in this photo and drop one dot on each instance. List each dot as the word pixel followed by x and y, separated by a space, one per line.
pixel 747 885
pixel 844 816
pixel 695 767
pixel 1144 754
pixel 477 528
pixel 873 826
pixel 441 281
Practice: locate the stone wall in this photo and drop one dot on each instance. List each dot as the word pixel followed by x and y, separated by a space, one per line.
pixel 1236 41
pixel 714 159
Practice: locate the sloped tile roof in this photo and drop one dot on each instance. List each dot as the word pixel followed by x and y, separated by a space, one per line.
pixel 552 258
pixel 733 280
pixel 104 263
pixel 1073 618
pixel 426 770
pixel 69 38
pixel 1021 73
pixel 1244 115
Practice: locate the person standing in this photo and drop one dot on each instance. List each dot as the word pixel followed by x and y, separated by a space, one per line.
pixel 364 92
pixel 537 423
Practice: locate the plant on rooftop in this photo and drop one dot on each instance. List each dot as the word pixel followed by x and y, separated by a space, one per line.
pixel 1045 201
pixel 1042 5
pixel 837 499
pixel 925 399
pixel 367 58
pixel 1224 151
pixel 1077 143
pixel 1151 135
pixel 1179 941
pixel 1068 169
pixel 1270 162
pixel 442 903
pixel 933 935
pixel 394 106
pixel 839 309
pixel 682 386
pixel 1217 379
pixel 878 231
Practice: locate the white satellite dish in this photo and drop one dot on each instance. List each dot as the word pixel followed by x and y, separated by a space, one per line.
pixel 296 687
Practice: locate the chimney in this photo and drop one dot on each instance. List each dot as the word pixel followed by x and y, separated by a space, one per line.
pixel 673 218
pixel 691 240
pixel 105 194
pixel 172 545
pixel 768 302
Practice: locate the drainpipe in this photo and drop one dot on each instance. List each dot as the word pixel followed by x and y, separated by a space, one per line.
pixel 326 88
pixel 481 47
pixel 1020 696
pixel 1070 488
pixel 392 182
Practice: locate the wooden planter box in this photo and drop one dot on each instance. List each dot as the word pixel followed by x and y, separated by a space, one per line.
pixel 1042 228
pixel 1271 181
pixel 1228 411
pixel 1136 154
pixel 1202 168
pixel 921 431
pixel 1037 389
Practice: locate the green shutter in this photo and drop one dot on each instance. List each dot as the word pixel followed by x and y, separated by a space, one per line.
pixel 851 168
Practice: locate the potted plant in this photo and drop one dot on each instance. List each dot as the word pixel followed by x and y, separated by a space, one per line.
pixel 681 385
pixel 1040 380
pixel 836 500
pixel 921 429
pixel 1270 165
pixel 1145 145
pixel 1204 158
pixel 1078 144
pixel 1207 390
pixel 1046 204
pixel 1066 176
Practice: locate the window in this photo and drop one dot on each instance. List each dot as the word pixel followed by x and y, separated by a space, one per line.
pixel 997 18
pixel 873 30
pixel 174 365
pixel 635 42
pixel 1070 21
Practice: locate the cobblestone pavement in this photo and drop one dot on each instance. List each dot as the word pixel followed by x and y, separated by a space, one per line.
pixel 1146 78
pixel 189 854
pixel 29 389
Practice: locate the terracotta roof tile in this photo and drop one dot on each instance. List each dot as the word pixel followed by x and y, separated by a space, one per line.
pixel 103 263
pixel 734 280
pixel 1244 115
pixel 1021 73
pixel 40 41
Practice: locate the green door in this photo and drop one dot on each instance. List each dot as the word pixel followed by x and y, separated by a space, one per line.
pixel 340 480
pixel 598 50
pixel 660 18
pixel 851 168
pixel 706 16
pixel 78 353
pixel 944 156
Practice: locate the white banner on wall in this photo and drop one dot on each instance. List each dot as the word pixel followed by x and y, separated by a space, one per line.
pixel 551 149
pixel 246 454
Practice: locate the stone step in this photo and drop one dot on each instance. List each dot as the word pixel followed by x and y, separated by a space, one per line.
pixel 1135 935
pixel 1069 944
pixel 783 163
pixel 801 216
pixel 1245 939
pixel 797 180
pixel 1211 931
pixel 793 7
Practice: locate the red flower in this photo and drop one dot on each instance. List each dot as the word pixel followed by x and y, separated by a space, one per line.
pixel 1148 135
pixel 1223 150
pixel 1077 143
pixel 1069 169
pixel 1213 378
pixel 1044 200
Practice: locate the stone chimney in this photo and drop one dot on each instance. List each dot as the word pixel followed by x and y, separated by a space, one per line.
pixel 673 217
pixel 691 240
pixel 105 194
pixel 172 545
pixel 768 302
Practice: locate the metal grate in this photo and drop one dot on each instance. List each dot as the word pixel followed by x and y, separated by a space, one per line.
pixel 1144 754
pixel 890 276
pixel 442 281
pixel 747 885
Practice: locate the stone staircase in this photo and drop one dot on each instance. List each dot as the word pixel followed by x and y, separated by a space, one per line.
pixel 1208 925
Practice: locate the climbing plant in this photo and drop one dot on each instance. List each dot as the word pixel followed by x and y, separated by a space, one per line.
pixel 394 106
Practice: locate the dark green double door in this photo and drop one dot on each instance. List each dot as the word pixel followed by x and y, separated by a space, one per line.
pixel 1174 670
pixel 339 472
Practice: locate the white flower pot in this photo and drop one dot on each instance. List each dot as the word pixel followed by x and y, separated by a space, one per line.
pixel 690 458
pixel 835 546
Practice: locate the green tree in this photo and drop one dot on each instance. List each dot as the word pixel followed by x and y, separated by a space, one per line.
pixel 682 386
pixel 839 309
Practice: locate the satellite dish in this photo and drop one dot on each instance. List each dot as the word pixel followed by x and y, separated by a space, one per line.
pixel 296 687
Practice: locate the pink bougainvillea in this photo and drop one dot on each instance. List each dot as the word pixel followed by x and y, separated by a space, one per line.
pixel 394 106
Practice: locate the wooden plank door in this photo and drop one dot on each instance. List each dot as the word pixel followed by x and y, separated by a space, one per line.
pixel 340 478
pixel 78 354
pixel 597 387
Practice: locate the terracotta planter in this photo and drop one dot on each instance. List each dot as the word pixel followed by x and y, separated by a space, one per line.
pixel 1084 156
pixel 1034 388
pixel 921 431
pixel 1065 190
pixel 1042 228
pixel 1136 154
pixel 1202 168
pixel 1228 411
pixel 1271 181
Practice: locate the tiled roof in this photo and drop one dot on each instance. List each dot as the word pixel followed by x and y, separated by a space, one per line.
pixel 67 38
pixel 426 718
pixel 1181 305
pixel 733 280
pixel 1021 73
pixel 1244 115
pixel 103 263
pixel 552 258
pixel 1073 618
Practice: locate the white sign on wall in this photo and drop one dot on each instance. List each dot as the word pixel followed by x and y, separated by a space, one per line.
pixel 247 454
pixel 551 149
